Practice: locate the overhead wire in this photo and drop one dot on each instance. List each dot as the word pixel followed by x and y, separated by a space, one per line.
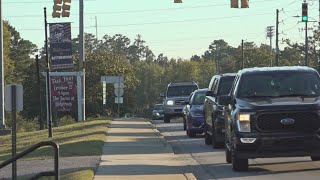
pixel 169 22
pixel 142 10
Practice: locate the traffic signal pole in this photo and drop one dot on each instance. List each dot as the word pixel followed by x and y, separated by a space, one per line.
pixel 49 117
pixel 306 46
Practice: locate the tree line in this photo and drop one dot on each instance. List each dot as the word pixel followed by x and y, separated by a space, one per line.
pixel 146 74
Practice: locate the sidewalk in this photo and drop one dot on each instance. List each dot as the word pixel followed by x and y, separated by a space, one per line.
pixel 135 150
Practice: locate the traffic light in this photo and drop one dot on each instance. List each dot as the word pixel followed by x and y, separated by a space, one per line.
pixel 234 3
pixel 61 8
pixel 56 8
pixel 244 3
pixel 177 1
pixel 66 8
pixel 304 12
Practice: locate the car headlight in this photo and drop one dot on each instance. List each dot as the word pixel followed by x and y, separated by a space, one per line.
pixel 170 103
pixel 243 122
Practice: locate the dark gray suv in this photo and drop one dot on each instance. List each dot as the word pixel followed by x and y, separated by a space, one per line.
pixel 175 98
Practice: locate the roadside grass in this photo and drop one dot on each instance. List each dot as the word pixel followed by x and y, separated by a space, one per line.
pixel 79 139
pixel 85 174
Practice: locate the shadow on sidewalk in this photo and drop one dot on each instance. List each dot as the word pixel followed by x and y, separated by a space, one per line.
pixel 222 170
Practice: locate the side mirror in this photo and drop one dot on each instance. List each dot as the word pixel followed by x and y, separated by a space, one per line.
pixel 224 100
pixel 161 94
pixel 210 93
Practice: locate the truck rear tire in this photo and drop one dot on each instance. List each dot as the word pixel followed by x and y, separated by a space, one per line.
pixel 216 144
pixel 207 137
pixel 184 124
pixel 166 119
pixel 228 156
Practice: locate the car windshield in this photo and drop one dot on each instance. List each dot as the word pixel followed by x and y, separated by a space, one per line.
pixel 225 85
pixel 158 107
pixel 198 98
pixel 280 85
pixel 174 91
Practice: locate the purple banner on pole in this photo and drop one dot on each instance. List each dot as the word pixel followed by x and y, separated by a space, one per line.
pixel 60 46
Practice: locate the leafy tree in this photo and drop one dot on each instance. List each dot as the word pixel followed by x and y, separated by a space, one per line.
pixel 195 58
pixel 21 51
pixel 8 64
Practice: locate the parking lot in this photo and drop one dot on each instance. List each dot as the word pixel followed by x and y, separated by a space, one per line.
pixel 212 164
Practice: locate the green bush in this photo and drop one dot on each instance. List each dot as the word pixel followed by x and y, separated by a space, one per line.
pixel 27 126
pixel 23 125
pixel 66 120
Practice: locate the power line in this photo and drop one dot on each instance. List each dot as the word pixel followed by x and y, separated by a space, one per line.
pixel 169 22
pixel 134 11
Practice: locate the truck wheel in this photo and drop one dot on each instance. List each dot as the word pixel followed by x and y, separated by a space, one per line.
pixel 239 164
pixel 190 133
pixel 166 119
pixel 315 158
pixel 184 124
pixel 216 144
pixel 207 137
pixel 228 156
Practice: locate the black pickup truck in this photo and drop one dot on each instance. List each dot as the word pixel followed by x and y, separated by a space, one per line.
pixel 272 112
pixel 214 121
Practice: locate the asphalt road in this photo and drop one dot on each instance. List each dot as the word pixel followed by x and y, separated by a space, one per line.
pixel 212 165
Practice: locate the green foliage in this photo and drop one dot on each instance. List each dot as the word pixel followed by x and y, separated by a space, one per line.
pixel 80 139
pixel 23 125
pixel 66 120
pixel 146 74
pixel 8 64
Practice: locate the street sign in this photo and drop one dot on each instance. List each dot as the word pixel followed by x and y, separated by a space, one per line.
pixel 118 85
pixel 104 93
pixel 18 97
pixel 118 92
pixel 118 100
pixel 112 79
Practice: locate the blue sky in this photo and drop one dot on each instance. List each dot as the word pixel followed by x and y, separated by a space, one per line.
pixel 177 30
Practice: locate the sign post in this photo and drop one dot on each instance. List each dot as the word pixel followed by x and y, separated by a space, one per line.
pixel 14 104
pixel 118 91
pixel 104 96
pixel 117 81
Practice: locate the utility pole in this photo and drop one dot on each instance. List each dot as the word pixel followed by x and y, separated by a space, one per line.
pixel 2 120
pixel 81 114
pixel 96 24
pixel 242 54
pixel 277 39
pixel 318 30
pixel 217 59
pixel 270 33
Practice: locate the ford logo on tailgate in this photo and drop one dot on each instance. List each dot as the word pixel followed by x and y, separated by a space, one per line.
pixel 287 121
